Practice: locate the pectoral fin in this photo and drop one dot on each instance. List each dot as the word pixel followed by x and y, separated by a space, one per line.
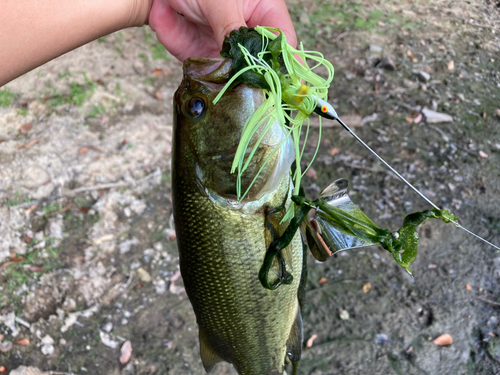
pixel 208 356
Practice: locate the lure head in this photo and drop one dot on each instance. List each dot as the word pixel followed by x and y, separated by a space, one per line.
pixel 208 135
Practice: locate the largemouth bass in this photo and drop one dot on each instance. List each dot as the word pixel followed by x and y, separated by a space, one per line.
pixel 222 242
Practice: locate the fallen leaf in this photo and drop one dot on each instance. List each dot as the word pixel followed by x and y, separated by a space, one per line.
pixel 311 172
pixel 1 336
pixel 310 341
pixel 158 95
pixel 483 154
pixel 31 209
pixel 83 150
pixel 125 352
pixel 409 119
pixel 157 71
pixel 441 48
pixel 24 129
pixel 333 151
pixel 27 239
pixel 443 340
pixel 451 65
pixel 29 144
pixel 468 287
pixel 367 287
pixel 322 280
pixel 36 269
pixel 17 259
pixel 22 342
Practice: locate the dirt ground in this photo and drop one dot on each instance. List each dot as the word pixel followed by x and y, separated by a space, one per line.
pixel 88 258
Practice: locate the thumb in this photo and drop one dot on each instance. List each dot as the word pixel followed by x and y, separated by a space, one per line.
pixel 223 17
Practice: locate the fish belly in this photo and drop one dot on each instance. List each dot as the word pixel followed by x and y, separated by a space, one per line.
pixel 221 252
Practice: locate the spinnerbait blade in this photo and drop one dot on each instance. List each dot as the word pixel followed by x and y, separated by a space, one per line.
pixel 326 110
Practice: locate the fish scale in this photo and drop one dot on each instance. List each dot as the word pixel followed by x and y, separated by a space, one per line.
pixel 222 242
pixel 249 325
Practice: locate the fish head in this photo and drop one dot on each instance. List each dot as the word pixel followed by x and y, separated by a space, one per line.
pixel 207 135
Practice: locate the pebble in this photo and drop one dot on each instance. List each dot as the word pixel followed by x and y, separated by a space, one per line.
pixel 107 340
pixel 47 345
pixel 422 76
pixel 107 327
pixel 23 370
pixel 160 286
pixel 144 275
pixel 433 117
pixel 344 314
pixel 387 63
pixel 5 346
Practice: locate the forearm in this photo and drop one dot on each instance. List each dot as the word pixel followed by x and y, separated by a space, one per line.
pixel 33 32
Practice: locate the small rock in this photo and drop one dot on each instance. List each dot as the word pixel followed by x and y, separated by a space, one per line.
pixel 304 18
pixel 23 370
pixel 451 65
pixel 107 340
pixel 135 265
pixel 139 67
pixel 138 206
pixel 483 154
pixel 5 346
pixel 144 275
pixel 422 76
pixel 344 314
pixel 125 352
pixel 108 327
pixel 47 340
pixel 47 349
pixel 387 63
pixel 433 117
pixel 62 342
pixel 160 286
pixel 382 338
pixel 125 246
pixel 374 52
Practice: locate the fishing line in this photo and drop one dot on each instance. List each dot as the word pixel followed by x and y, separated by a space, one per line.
pixel 325 109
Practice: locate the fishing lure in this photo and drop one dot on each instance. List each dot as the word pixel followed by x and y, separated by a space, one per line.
pixel 264 60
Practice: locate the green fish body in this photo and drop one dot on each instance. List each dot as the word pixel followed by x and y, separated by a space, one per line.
pixel 222 242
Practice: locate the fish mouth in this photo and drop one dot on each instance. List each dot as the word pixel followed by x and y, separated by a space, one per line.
pixel 214 70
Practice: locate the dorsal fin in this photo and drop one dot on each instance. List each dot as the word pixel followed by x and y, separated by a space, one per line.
pixel 208 356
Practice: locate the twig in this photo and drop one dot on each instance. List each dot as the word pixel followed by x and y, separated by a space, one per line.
pixel 488 301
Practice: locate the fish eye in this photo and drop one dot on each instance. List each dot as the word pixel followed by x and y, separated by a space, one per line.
pixel 195 107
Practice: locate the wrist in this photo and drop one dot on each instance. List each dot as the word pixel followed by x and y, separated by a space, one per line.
pixel 138 13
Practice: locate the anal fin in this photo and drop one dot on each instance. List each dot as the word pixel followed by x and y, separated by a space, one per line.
pixel 208 356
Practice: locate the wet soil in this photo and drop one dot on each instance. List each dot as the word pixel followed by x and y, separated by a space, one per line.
pixel 88 255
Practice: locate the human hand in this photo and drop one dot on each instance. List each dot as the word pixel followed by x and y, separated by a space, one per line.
pixel 189 28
